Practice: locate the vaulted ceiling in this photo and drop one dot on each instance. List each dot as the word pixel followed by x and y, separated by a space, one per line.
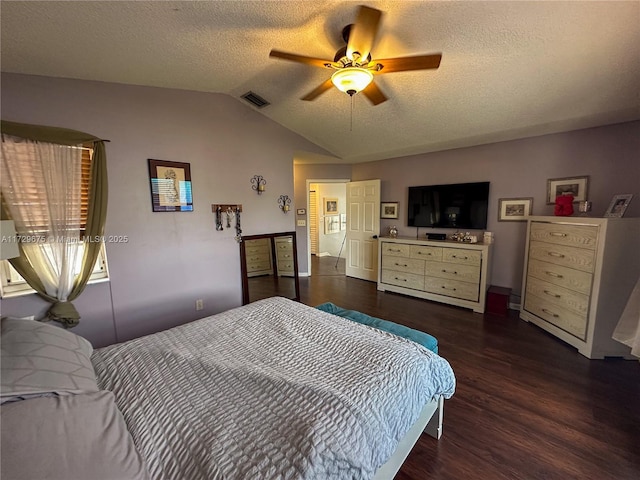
pixel 509 69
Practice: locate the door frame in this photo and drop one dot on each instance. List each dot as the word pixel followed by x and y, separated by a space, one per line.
pixel 308 188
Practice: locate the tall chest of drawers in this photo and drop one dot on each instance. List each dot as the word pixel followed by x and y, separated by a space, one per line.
pixel 258 253
pixel 284 256
pixel 578 275
pixel 443 271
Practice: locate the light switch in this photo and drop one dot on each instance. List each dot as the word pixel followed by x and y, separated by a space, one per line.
pixel 302 223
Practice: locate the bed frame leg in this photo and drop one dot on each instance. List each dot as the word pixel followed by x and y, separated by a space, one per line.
pixel 434 427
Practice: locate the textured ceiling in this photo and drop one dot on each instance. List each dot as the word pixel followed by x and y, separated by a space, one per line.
pixel 509 69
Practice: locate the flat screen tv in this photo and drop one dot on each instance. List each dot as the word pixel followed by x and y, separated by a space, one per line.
pixel 460 205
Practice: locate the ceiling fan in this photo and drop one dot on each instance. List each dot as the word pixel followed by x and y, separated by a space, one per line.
pixel 354 68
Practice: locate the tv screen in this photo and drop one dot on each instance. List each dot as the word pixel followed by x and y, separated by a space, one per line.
pixel 460 205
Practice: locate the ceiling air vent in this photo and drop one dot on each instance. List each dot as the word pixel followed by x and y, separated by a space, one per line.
pixel 255 100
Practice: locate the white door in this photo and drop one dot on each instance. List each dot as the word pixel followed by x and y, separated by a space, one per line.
pixel 363 228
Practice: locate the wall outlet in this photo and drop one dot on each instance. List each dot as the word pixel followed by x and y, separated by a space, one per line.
pixel 199 304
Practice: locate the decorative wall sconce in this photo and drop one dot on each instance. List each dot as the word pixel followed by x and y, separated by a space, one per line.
pixel 284 201
pixel 257 183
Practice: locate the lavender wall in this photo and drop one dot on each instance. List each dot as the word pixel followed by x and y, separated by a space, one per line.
pixel 609 155
pixel 171 259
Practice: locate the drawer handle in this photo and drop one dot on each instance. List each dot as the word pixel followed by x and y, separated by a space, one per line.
pixel 555 254
pixel 558 234
pixel 401 265
pixel 548 312
pixel 462 258
pixel 392 250
pixel 551 294
pixel 553 274
pixel 403 279
pixel 444 271
pixel 448 288
pixel 428 254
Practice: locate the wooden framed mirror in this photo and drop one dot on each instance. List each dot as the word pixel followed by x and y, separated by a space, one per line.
pixel 269 264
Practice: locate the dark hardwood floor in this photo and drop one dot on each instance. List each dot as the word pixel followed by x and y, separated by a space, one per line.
pixel 527 406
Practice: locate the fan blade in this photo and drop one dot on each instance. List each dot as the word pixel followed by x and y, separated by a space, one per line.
pixel 316 62
pixel 363 32
pixel 403 64
pixel 374 94
pixel 319 90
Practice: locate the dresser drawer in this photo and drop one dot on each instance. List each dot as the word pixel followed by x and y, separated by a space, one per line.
pixel 562 297
pixel 568 321
pixel 562 276
pixel 583 236
pixel 578 258
pixel 461 255
pixel 462 272
pixel 258 266
pixel 401 264
pixel 425 252
pixel 451 288
pixel 401 279
pixel 285 267
pixel 395 249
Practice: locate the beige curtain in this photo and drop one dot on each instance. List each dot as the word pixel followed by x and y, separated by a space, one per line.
pixel 48 265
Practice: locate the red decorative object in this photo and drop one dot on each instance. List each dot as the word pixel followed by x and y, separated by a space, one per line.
pixel 564 205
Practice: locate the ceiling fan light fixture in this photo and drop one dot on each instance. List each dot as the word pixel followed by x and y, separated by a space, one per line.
pixel 352 80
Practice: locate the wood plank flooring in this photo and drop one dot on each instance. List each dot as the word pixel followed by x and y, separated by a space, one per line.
pixel 527 406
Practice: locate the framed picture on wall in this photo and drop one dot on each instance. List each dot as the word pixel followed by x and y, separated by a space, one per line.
pixel 618 205
pixel 170 186
pixel 331 224
pixel 330 206
pixel 389 210
pixel 576 186
pixel 514 209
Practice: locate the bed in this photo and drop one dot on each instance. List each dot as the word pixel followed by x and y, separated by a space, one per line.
pixel 273 389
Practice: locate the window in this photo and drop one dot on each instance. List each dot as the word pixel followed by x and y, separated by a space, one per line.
pixel 14 285
pixel 31 181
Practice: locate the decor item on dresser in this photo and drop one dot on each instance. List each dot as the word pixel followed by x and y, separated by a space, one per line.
pixel 446 271
pixel 578 274
pixel 258 184
pixel 389 210
pixel 618 205
pixel 576 186
pixel 584 207
pixel 514 209
pixel 564 205
pixel 170 186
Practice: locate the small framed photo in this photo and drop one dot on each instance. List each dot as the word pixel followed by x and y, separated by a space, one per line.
pixel 301 211
pixel 170 186
pixel 331 224
pixel 330 206
pixel 514 209
pixel 576 186
pixel 618 205
pixel 389 210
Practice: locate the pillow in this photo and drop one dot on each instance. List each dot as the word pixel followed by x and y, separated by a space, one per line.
pixel 417 336
pixel 39 359
pixel 72 437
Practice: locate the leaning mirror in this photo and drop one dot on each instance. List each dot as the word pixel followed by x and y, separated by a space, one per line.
pixel 269 266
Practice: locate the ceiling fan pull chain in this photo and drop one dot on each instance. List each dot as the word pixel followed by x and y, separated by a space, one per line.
pixel 351 125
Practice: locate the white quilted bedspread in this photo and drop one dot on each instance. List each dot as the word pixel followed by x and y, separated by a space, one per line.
pixel 271 390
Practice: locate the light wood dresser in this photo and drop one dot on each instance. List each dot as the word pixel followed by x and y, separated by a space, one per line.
pixel 578 275
pixel 440 270
pixel 284 256
pixel 258 254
